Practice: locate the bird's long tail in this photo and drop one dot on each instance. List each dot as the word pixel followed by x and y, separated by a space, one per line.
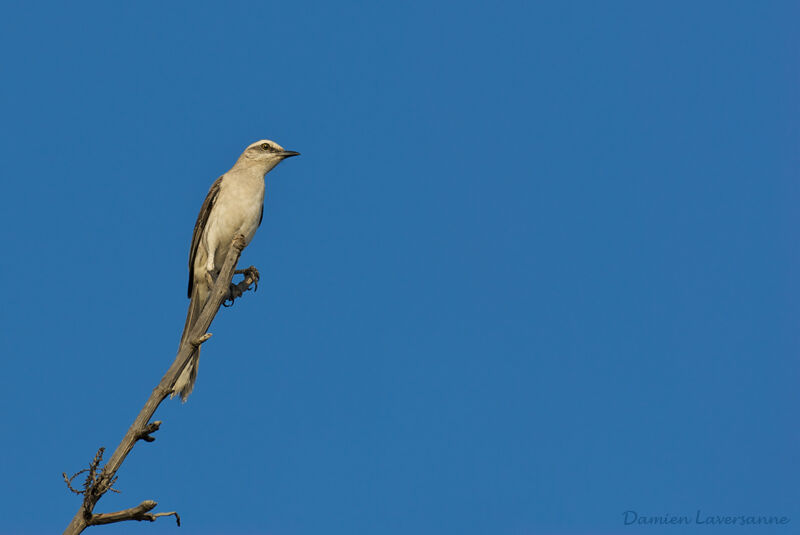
pixel 185 383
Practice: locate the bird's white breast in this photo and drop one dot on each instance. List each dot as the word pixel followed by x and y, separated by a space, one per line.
pixel 237 210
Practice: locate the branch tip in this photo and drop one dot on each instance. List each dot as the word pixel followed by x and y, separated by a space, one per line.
pixel 202 339
pixel 152 427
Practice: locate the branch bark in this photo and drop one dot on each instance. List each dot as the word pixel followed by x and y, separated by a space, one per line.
pixel 140 428
pixel 140 512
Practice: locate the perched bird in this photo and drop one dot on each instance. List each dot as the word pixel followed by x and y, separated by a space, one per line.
pixel 234 205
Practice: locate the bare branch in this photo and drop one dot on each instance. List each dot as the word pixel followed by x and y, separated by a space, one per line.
pixel 99 482
pixel 68 480
pixel 140 512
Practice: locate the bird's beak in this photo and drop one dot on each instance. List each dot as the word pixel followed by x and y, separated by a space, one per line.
pixel 289 153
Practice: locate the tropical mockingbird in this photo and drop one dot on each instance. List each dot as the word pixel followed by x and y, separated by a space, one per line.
pixel 234 205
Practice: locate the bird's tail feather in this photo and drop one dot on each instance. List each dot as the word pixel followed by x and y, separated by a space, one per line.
pixel 185 383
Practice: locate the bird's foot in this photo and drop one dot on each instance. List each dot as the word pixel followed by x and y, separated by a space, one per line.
pixel 251 276
pixel 235 291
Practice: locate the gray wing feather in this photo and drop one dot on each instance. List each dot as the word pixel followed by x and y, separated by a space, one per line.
pixel 199 227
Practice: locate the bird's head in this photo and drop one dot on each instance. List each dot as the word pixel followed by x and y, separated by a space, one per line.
pixel 266 154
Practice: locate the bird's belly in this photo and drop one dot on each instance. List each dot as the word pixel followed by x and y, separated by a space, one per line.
pixel 242 220
pixel 231 217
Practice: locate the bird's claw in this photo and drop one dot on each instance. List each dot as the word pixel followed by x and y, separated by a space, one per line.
pixel 250 273
pixel 235 291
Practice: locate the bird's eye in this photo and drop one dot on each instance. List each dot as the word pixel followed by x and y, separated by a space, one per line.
pixel 265 146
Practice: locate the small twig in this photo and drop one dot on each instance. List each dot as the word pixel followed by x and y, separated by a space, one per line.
pixel 97 483
pixel 93 478
pixel 196 343
pixel 68 480
pixel 148 430
pixel 171 513
pixel 139 513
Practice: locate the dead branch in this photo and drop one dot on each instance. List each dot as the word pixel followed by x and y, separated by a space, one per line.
pixel 140 512
pixel 99 481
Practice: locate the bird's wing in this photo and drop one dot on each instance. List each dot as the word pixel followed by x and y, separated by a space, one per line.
pixel 200 225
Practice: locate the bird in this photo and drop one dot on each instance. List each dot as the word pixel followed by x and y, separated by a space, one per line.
pixel 234 206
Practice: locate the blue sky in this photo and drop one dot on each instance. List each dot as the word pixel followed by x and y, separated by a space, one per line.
pixel 536 266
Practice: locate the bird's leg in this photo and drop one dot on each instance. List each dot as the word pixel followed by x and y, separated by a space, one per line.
pixel 235 291
pixel 210 271
pixel 250 275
